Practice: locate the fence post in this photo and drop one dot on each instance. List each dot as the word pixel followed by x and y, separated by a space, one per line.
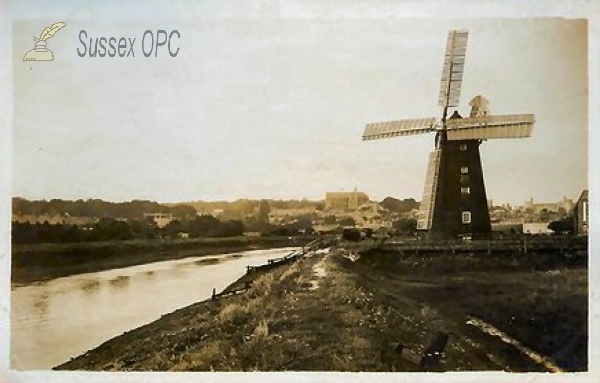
pixel 524 245
pixel 214 294
pixel 489 247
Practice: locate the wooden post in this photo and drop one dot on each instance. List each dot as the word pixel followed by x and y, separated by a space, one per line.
pixel 214 294
pixel 524 245
pixel 489 247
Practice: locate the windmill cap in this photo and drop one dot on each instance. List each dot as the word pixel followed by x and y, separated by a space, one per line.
pixel 479 101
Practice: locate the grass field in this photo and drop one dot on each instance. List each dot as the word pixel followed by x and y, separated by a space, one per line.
pixel 338 311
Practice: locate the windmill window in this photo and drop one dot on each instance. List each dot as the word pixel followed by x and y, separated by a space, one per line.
pixel 464 169
pixel 462 147
pixel 465 190
pixel 466 217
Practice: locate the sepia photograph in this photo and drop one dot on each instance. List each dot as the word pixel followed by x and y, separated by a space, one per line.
pixel 273 186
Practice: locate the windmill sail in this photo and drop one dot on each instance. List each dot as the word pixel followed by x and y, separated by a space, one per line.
pixel 488 127
pixel 429 192
pixel 454 65
pixel 388 129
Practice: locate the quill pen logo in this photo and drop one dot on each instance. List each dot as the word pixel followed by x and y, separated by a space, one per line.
pixel 40 52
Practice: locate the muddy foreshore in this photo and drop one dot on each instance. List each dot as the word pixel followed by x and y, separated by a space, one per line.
pixel 340 311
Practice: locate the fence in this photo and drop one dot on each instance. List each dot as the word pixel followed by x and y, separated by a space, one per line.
pixel 271 263
pixel 524 244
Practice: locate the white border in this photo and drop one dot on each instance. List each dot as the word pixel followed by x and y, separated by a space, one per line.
pixel 353 9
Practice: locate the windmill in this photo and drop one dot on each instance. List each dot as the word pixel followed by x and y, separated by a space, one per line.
pixel 454 199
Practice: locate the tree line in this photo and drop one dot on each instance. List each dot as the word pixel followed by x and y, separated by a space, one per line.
pixel 109 229
pixel 98 208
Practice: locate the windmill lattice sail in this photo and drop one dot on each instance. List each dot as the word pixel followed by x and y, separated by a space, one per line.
pixel 489 127
pixel 389 129
pixel 454 65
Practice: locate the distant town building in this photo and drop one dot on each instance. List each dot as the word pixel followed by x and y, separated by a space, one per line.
pixel 536 228
pixel 345 201
pixel 161 219
pixel 283 216
pixel 371 215
pixel 566 204
pixel 581 214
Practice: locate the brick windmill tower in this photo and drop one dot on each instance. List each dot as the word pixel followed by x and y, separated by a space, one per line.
pixel 454 200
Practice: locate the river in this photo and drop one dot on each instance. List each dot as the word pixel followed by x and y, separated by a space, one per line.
pixel 52 321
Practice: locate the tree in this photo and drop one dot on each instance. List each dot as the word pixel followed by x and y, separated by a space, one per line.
pixel 183 212
pixel 330 220
pixel 351 235
pixel 405 226
pixel 544 215
pixel 230 228
pixel 564 225
pixel 144 228
pixel 399 206
pixel 562 212
pixel 174 227
pixel 303 223
pixel 203 226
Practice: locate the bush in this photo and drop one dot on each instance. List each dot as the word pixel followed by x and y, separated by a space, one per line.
pixel 351 235
pixel 233 313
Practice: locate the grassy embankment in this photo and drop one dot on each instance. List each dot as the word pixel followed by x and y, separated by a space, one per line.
pixel 333 312
pixel 45 261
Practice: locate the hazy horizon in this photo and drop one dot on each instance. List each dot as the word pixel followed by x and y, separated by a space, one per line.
pixel 496 203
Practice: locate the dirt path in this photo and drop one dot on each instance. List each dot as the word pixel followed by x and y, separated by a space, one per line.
pixel 319 272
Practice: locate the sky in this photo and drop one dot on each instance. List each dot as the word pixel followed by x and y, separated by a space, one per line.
pixel 274 107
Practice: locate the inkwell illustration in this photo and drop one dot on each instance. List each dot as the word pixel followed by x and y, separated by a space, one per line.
pixel 40 52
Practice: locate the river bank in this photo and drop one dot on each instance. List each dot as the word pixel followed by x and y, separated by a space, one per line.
pixel 46 261
pixel 342 311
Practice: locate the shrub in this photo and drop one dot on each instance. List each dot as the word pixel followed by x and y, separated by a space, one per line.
pixel 232 313
pixel 262 285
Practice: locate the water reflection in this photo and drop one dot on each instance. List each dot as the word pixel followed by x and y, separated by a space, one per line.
pixel 210 261
pixel 177 270
pixel 90 286
pixel 120 281
pixel 41 304
pixel 54 320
